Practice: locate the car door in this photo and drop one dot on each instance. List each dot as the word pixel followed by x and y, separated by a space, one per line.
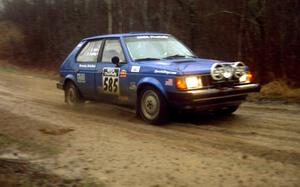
pixel 111 81
pixel 86 67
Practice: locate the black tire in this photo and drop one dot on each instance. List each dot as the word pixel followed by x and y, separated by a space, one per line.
pixel 152 106
pixel 72 96
pixel 226 111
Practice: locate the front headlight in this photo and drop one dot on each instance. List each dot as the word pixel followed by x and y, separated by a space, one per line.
pixel 189 82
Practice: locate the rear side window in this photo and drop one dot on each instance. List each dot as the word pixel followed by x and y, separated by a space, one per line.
pixel 112 48
pixel 90 52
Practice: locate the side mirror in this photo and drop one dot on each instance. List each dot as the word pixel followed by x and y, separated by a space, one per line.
pixel 115 60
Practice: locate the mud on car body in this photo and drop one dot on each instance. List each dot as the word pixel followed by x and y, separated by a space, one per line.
pixel 154 73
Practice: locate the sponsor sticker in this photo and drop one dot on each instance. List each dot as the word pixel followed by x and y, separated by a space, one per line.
pixel 169 82
pixel 80 77
pixel 123 73
pixel 132 86
pixel 87 65
pixel 165 72
pixel 135 69
pixel 146 37
pixel 111 72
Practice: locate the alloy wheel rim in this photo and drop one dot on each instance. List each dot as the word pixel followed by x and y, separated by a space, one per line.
pixel 150 105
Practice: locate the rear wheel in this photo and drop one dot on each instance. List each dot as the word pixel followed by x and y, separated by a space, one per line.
pixel 226 111
pixel 152 106
pixel 72 96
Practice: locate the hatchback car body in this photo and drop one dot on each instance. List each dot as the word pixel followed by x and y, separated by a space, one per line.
pixel 153 72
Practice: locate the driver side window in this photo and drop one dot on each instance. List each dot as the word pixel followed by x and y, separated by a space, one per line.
pixel 112 48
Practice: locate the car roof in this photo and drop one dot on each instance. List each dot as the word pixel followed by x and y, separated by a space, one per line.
pixel 125 35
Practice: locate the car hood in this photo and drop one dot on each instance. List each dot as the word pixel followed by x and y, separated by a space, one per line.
pixel 182 66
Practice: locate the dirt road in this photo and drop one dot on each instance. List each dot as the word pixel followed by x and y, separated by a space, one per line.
pixel 258 146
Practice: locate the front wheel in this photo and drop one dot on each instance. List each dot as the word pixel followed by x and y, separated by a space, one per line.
pixel 152 106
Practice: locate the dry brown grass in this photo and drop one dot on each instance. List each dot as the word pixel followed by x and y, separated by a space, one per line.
pixel 277 90
pixel 9 66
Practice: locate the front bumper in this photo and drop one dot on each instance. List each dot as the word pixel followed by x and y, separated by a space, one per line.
pixel 208 99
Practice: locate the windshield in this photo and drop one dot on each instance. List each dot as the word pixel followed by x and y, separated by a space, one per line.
pixel 156 48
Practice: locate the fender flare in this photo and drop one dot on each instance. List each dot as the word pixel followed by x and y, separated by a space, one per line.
pixel 152 82
pixel 71 78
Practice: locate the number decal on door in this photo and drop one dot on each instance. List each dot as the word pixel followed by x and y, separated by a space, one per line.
pixel 110 80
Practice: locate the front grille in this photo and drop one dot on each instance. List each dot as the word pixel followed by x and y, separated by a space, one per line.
pixel 209 82
pixel 206 80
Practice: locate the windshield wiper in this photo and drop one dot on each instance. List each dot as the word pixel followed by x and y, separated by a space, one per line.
pixel 180 56
pixel 146 59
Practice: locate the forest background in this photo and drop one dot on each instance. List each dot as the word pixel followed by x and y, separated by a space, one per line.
pixel 262 33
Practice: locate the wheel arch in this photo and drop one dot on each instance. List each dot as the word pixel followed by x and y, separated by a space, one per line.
pixel 149 81
pixel 69 78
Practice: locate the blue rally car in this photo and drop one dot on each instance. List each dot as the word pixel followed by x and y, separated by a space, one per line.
pixel 153 72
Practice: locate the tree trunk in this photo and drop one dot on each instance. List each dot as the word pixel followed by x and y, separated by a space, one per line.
pixel 242 29
pixel 145 15
pixel 120 15
pixel 109 16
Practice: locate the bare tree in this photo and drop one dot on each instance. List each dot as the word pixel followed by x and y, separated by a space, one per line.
pixel 109 16
pixel 263 33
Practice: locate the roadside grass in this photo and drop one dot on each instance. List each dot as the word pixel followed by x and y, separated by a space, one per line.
pixel 277 91
pixel 5 141
pixel 5 67
pixel 28 146
pixel 8 67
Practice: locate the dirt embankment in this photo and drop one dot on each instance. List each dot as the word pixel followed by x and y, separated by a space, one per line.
pixel 43 142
